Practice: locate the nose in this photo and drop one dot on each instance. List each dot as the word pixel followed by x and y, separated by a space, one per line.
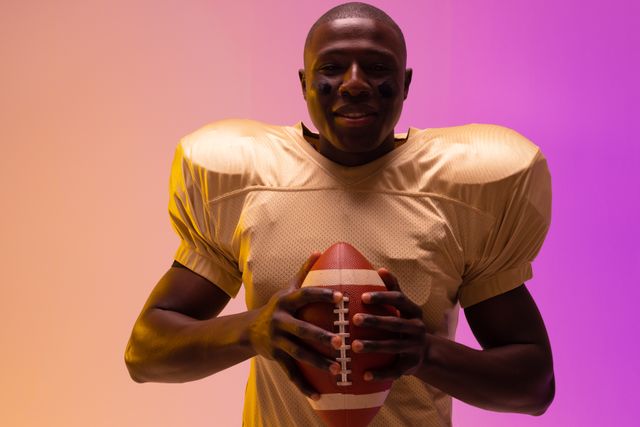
pixel 354 83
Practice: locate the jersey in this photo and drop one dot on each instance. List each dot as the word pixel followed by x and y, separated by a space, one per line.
pixel 457 214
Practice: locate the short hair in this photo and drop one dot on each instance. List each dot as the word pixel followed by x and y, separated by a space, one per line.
pixel 356 10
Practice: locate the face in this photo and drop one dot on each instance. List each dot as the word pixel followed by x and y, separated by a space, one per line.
pixel 355 83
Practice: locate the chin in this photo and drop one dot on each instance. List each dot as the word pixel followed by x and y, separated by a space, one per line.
pixel 357 145
pixel 368 134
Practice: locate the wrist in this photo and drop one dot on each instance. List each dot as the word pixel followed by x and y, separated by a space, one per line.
pixel 436 353
pixel 427 356
pixel 254 335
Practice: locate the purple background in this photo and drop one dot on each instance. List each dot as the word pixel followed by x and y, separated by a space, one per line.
pixel 96 94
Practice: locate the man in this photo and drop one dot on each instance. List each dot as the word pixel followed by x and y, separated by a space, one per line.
pixel 454 215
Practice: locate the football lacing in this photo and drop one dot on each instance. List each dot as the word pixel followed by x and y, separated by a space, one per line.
pixel 342 323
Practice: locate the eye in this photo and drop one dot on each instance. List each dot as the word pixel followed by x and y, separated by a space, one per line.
pixel 329 68
pixel 379 68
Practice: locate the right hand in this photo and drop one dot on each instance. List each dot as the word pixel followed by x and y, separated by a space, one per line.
pixel 278 335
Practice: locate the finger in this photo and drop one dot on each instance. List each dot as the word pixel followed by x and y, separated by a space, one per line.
pixel 302 354
pixel 386 346
pixel 288 364
pixel 412 326
pixel 408 309
pixel 304 270
pixel 301 297
pixel 404 364
pixel 306 331
pixel 390 280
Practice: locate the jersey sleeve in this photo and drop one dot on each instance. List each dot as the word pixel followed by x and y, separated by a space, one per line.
pixel 504 261
pixel 199 249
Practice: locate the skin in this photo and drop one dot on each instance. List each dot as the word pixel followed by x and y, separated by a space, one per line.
pixel 179 335
pixel 354 61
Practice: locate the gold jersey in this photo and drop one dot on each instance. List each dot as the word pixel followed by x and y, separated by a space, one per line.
pixel 457 214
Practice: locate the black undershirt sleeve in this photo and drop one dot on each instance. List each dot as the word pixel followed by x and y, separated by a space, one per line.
pixel 177 264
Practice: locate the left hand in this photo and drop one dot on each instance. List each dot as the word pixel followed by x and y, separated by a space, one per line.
pixel 410 346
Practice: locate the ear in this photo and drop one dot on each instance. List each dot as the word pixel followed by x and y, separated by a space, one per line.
pixel 408 73
pixel 303 83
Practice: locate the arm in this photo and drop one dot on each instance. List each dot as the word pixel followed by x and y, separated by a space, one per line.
pixel 513 372
pixel 179 337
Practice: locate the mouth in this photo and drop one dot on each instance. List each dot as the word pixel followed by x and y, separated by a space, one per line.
pixel 352 115
pixel 355 119
pixel 355 115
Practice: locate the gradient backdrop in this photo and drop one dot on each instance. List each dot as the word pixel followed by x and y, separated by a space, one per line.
pixel 95 94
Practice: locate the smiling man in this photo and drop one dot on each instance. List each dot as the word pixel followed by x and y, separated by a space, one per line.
pixel 358 81
pixel 453 216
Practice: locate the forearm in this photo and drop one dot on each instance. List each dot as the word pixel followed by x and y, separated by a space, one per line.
pixel 511 378
pixel 167 346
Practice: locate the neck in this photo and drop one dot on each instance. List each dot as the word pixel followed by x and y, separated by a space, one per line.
pixel 345 158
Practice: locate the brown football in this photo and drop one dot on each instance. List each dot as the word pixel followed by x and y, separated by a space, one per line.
pixel 346 399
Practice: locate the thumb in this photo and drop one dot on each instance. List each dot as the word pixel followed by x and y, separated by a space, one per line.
pixel 304 270
pixel 390 281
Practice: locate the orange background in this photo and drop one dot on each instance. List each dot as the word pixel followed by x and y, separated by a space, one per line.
pixel 95 94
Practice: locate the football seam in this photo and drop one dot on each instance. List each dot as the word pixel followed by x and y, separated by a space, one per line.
pixel 341 310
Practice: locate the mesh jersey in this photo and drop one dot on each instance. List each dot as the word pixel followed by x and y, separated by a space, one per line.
pixel 457 214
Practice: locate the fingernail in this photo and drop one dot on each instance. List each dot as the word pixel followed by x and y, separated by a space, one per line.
pixel 368 376
pixel 337 297
pixel 356 346
pixel 334 368
pixel 336 342
pixel 358 319
pixel 366 298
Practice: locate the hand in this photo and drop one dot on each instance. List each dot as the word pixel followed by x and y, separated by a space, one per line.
pixel 410 345
pixel 278 335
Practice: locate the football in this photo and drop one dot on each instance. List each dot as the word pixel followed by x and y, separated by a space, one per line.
pixel 346 399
